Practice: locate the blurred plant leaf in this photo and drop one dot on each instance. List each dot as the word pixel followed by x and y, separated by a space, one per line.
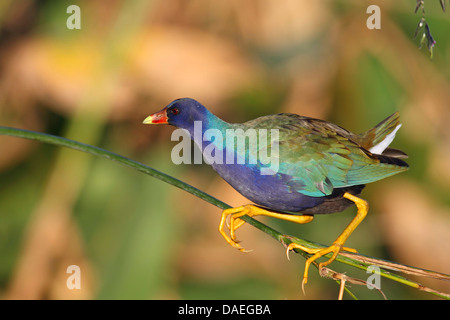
pixel 442 2
pixel 426 36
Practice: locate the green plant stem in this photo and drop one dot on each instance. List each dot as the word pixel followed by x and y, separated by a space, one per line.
pixel 355 260
pixel 96 151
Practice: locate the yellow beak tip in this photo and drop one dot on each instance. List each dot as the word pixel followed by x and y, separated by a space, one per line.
pixel 148 120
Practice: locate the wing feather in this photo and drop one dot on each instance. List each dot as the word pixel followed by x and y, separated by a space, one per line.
pixel 316 156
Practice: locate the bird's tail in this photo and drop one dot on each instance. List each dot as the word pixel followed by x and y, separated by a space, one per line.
pixel 377 139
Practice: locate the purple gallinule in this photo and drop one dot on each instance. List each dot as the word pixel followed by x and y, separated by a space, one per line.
pixel 315 166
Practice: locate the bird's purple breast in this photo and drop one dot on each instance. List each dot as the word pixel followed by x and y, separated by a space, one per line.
pixel 271 191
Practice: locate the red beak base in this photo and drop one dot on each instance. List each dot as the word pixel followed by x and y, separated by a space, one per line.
pixel 159 117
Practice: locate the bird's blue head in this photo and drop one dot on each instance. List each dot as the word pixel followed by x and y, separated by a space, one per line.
pixel 182 113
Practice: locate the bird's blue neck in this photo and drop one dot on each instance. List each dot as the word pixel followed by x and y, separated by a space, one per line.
pixel 211 122
pixel 205 126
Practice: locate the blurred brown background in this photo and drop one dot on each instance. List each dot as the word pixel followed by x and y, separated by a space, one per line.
pixel 134 237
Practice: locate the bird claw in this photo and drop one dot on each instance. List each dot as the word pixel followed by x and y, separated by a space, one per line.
pixel 234 223
pixel 335 248
pixel 304 281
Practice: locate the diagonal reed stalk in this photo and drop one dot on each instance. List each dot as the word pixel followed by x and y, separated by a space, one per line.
pixel 355 260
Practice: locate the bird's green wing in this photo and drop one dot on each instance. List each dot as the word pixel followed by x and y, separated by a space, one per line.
pixel 316 156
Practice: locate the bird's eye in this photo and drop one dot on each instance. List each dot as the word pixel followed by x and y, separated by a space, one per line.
pixel 175 111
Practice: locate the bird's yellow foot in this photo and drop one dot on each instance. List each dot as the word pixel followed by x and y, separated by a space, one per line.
pixel 251 211
pixel 335 248
pixel 338 244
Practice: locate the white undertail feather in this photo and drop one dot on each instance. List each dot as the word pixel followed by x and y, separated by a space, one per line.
pixel 380 147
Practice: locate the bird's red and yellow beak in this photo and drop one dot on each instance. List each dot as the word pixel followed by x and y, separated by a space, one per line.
pixel 159 117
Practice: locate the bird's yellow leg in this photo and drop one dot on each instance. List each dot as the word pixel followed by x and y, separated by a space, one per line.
pixel 235 222
pixel 251 211
pixel 337 245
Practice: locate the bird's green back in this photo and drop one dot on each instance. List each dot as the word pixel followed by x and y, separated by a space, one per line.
pixel 320 156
